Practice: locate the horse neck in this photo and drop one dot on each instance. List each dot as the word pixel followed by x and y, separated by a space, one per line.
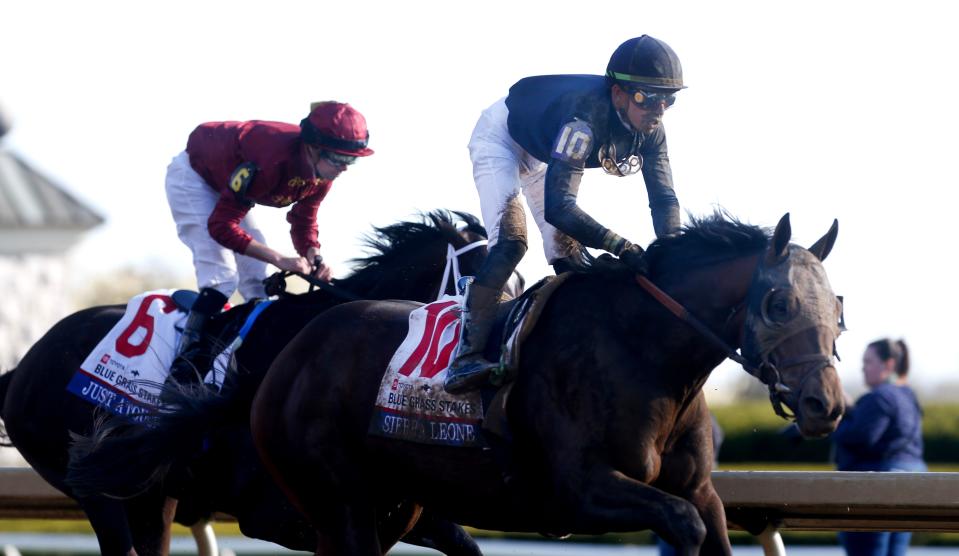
pixel 414 280
pixel 415 275
pixel 714 293
pixel 716 296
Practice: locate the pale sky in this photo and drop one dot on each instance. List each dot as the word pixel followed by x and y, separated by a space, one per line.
pixel 823 109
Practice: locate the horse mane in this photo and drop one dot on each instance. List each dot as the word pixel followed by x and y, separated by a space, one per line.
pixel 706 240
pixel 394 246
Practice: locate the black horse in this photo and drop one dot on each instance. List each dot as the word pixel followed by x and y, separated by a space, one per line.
pixel 609 424
pixel 40 416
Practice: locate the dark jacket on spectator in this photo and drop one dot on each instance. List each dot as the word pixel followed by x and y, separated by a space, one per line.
pixel 882 432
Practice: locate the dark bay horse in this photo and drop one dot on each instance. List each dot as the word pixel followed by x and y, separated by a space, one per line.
pixel 40 416
pixel 610 430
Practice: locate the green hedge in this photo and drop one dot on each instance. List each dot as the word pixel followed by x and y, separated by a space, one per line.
pixel 753 433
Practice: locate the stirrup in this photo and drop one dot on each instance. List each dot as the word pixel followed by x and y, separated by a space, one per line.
pixel 470 374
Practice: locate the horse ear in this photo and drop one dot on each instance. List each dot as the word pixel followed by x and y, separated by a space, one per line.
pixel 777 249
pixel 822 247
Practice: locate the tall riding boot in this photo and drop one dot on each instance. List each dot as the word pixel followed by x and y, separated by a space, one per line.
pixel 470 370
pixel 208 303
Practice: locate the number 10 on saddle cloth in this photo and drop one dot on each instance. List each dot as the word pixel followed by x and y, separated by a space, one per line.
pixel 412 404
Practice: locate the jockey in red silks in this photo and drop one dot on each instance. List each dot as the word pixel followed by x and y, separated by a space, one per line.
pixel 538 140
pixel 227 168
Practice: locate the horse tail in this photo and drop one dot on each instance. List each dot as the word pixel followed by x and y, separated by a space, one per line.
pixel 122 458
pixel 5 379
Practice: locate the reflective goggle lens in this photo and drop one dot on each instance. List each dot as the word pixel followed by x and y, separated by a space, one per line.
pixel 646 99
pixel 337 158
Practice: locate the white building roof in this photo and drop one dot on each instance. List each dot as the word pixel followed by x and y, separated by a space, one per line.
pixel 30 201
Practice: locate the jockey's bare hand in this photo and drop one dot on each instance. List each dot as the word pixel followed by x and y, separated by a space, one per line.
pixel 263 253
pixel 294 264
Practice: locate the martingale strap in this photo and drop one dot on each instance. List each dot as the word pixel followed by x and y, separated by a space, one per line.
pixel 226 359
pixel 261 305
pixel 453 263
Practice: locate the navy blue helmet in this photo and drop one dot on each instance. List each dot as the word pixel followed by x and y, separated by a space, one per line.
pixel 645 63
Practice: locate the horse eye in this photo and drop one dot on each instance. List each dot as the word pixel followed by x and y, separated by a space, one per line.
pixel 780 306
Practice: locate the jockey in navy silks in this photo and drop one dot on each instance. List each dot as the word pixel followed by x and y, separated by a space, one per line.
pixel 537 141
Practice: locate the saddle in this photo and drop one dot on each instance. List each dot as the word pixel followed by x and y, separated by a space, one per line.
pixel 412 403
pixel 125 372
pixel 214 350
pixel 515 320
pixel 184 299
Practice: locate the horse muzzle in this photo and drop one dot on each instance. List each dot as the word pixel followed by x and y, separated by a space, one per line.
pixel 819 402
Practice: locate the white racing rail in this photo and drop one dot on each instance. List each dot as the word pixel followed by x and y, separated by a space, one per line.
pixel 761 502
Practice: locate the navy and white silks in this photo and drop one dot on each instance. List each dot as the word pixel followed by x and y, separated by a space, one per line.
pixel 539 139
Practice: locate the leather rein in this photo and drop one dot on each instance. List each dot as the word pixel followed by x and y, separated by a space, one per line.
pixel 765 371
pixel 276 284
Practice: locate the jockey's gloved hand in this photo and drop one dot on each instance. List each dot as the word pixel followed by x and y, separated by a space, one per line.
pixel 634 257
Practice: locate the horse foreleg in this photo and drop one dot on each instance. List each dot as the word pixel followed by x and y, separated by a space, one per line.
pixel 205 538
pixel 445 536
pixel 612 501
pixel 396 522
pixel 713 513
pixel 151 517
pixel 714 517
pixel 169 510
pixel 194 513
pixel 686 471
pixel 349 529
pixel 109 522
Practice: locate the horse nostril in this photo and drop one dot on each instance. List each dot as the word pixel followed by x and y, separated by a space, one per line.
pixel 836 413
pixel 813 406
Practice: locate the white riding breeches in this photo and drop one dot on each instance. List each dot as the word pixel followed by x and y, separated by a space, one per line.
pixel 501 170
pixel 191 202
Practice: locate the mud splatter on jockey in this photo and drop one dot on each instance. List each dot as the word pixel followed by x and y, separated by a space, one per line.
pixel 537 141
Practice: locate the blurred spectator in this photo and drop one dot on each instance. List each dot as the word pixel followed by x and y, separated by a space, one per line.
pixel 881 432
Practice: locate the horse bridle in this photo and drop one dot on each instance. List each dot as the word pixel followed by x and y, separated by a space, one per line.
pixel 765 370
pixel 768 372
pixel 276 285
pixel 453 263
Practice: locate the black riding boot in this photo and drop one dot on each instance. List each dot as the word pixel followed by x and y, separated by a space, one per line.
pixel 470 370
pixel 210 302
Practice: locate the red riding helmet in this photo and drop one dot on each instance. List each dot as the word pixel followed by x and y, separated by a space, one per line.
pixel 338 127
